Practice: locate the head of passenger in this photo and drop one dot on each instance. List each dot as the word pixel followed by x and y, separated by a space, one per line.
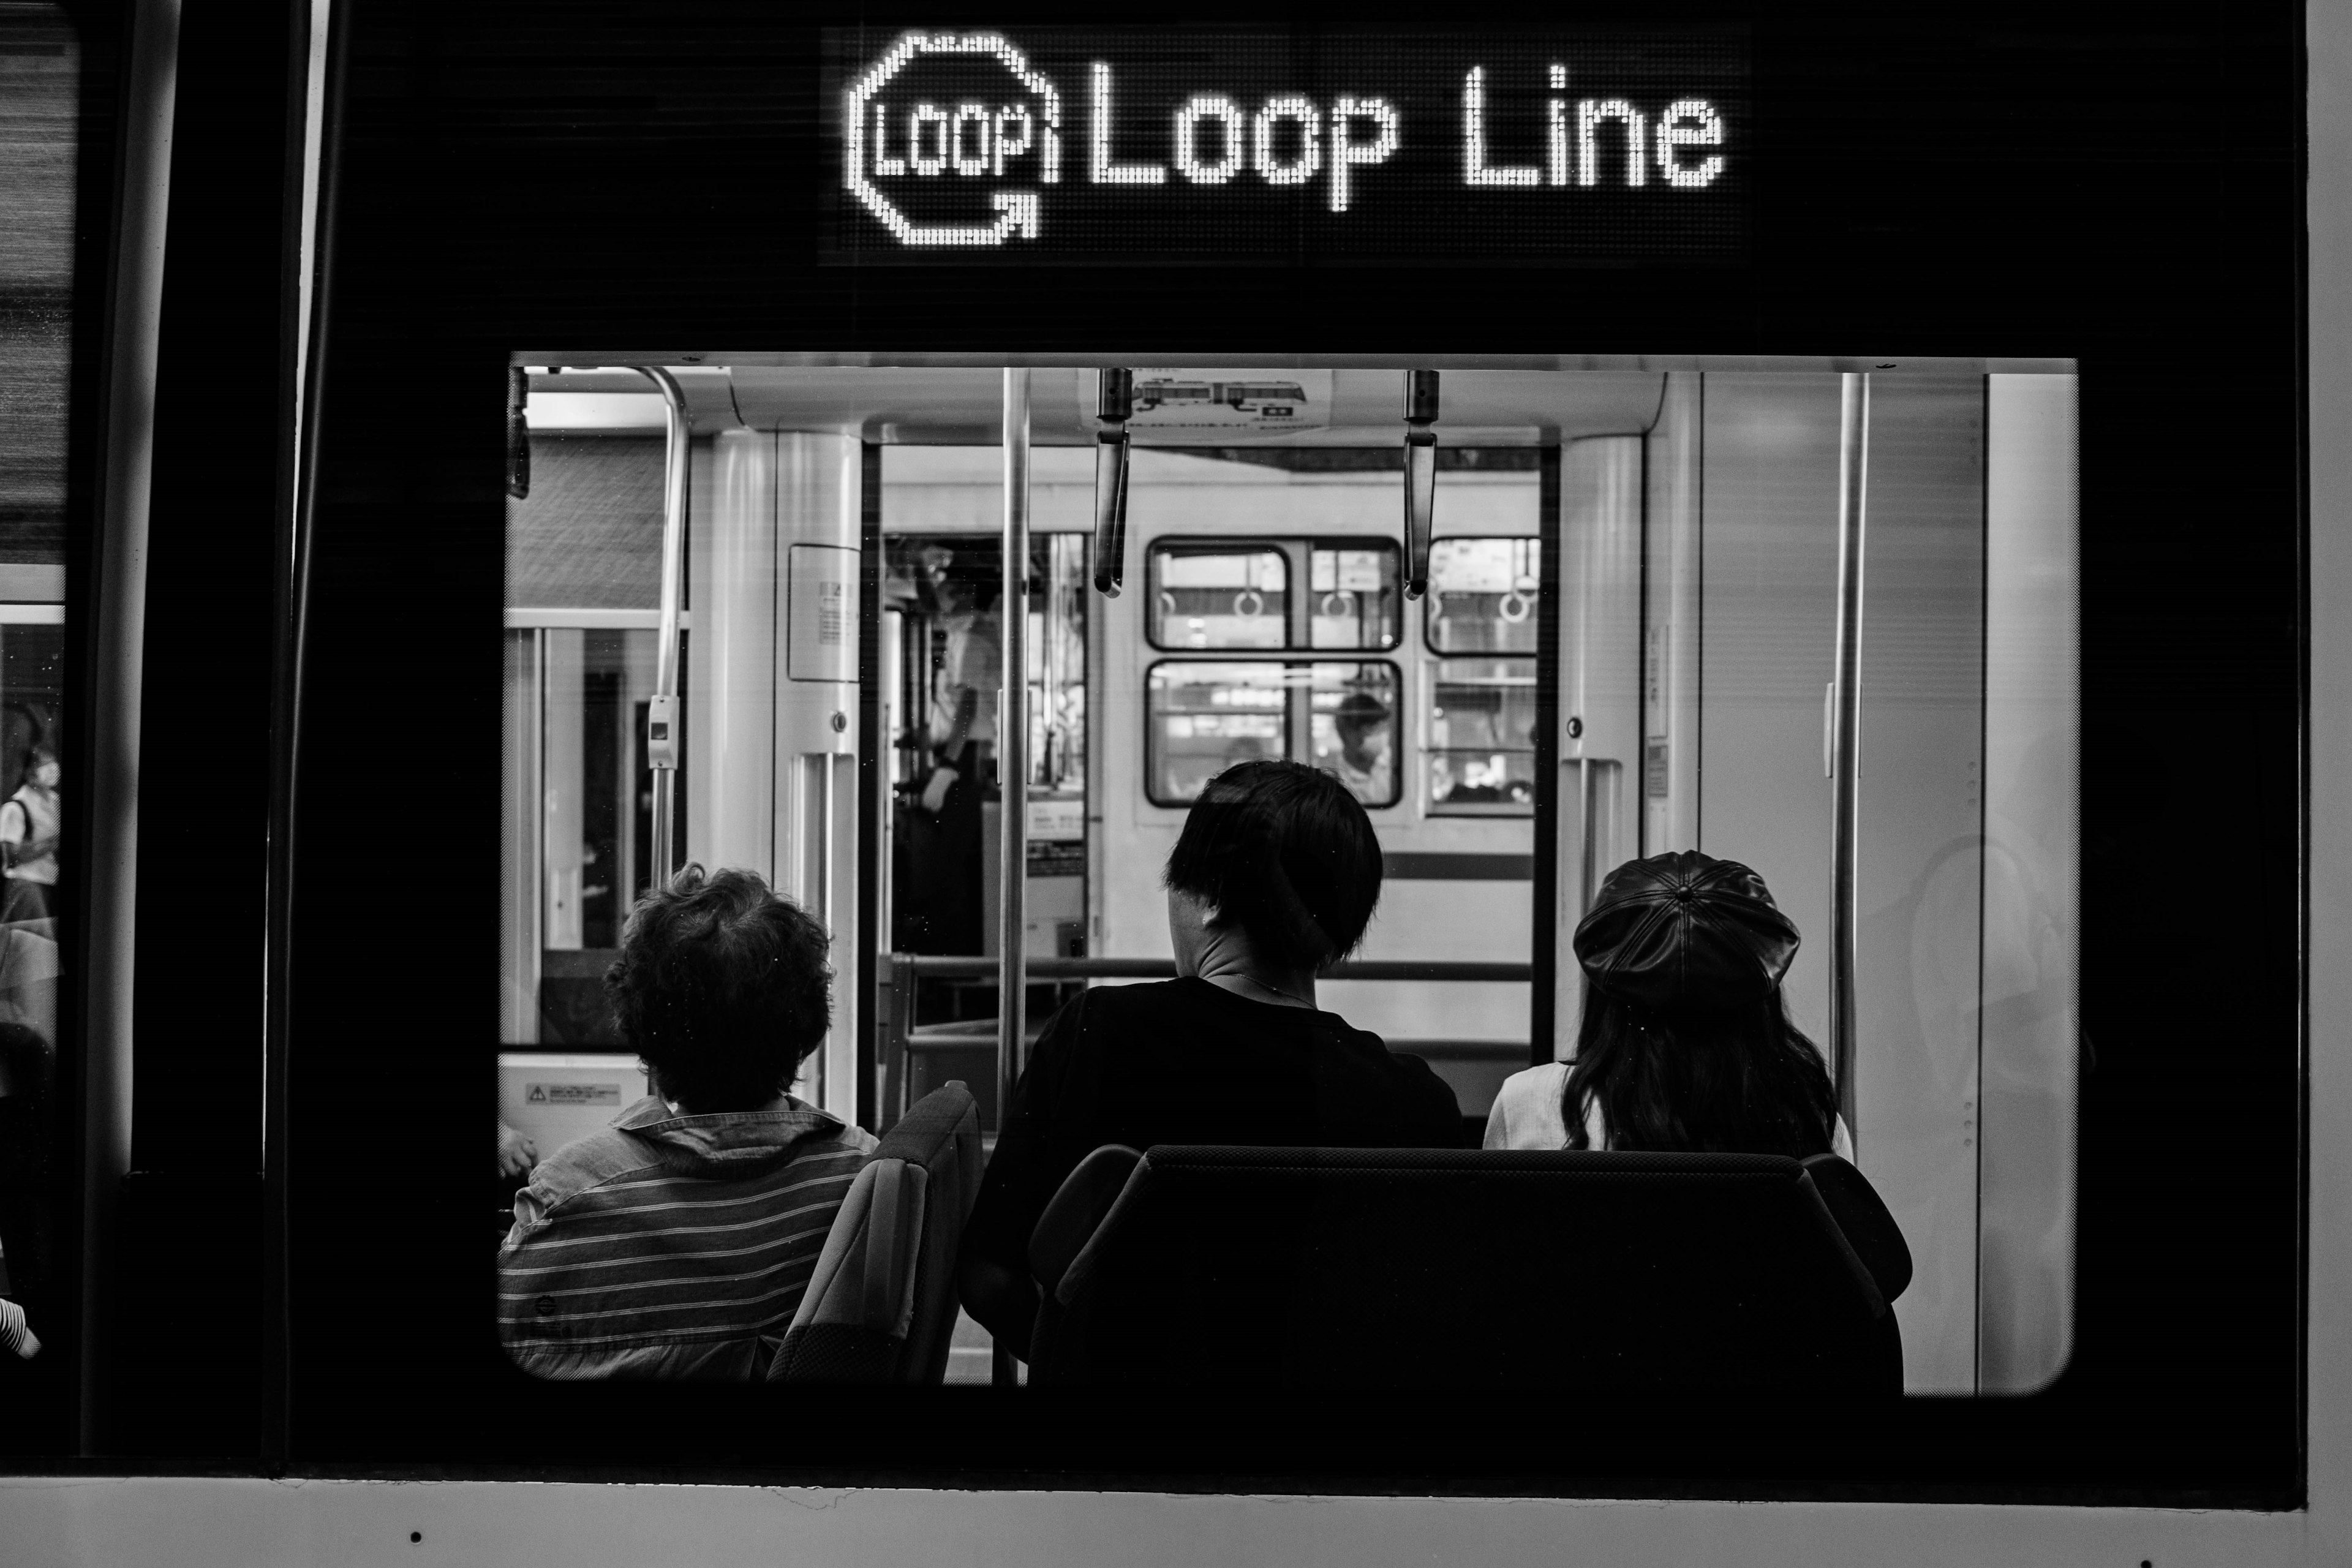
pixel 1361 724
pixel 722 988
pixel 1275 877
pixel 41 767
pixel 955 588
pixel 1686 1042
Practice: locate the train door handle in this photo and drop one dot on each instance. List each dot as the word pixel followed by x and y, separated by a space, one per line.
pixel 1113 405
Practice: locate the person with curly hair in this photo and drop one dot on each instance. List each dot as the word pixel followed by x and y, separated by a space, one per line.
pixel 678 1242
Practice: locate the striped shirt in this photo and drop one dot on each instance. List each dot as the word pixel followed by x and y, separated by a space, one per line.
pixel 673 1246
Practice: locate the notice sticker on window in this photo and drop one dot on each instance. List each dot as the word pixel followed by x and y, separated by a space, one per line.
pixel 1227 402
pixel 1060 820
pixel 571 1094
pixel 824 614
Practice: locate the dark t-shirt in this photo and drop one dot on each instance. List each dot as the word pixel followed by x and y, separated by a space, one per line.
pixel 1183 1061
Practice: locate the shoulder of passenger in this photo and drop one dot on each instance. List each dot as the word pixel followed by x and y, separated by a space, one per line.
pixel 605 1155
pixel 1533 1083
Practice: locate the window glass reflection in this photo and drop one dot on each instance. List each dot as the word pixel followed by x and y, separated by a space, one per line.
pixel 1219 596
pixel 1482 725
pixel 1204 718
pixel 41 65
pixel 1354 726
pixel 1482 595
pixel 1354 594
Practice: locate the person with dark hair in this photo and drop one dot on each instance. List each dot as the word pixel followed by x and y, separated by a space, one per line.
pixel 1274 879
pixel 676 1242
pixel 1686 1043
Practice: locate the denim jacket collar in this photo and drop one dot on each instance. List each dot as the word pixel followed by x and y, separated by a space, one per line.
pixel 728 1145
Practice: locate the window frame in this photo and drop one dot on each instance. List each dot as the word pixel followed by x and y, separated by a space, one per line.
pixel 1292 740
pixel 1246 544
pixel 1281 544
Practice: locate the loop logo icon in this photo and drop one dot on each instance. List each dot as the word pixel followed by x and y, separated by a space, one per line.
pixel 943 133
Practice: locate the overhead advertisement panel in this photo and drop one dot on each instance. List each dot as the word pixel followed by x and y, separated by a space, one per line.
pixel 1595 146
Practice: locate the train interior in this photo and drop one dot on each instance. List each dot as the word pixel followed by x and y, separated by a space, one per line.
pixel 1684 525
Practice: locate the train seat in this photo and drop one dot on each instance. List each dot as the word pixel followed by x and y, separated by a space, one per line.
pixel 881 1305
pixel 1639 1273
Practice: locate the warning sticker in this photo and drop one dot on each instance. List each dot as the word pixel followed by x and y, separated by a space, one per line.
pixel 571 1094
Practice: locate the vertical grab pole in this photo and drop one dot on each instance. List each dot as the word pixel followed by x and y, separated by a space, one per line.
pixel 1013 777
pixel 661 712
pixel 1845 733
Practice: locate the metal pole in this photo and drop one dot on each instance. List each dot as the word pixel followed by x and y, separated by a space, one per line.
pixel 661 715
pixel 1012 773
pixel 1845 733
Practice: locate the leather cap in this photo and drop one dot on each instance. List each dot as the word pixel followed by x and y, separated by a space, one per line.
pixel 1683 930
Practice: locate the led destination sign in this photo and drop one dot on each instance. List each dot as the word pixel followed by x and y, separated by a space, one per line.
pixel 1194 146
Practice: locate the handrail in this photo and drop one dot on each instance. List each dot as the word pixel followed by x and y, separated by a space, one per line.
pixel 661 713
pixel 1846 736
pixel 960 964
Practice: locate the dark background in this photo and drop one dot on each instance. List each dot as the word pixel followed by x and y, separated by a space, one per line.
pixel 651 176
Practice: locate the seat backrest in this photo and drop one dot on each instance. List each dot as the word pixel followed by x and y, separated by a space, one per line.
pixel 881 1306
pixel 1602 1272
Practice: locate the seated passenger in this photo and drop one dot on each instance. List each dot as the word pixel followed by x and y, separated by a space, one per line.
pixel 1274 877
pixel 1686 1043
pixel 676 1242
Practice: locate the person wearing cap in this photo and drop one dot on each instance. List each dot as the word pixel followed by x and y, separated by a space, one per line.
pixel 1686 1043
pixel 1274 879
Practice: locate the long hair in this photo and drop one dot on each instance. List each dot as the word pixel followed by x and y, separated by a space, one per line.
pixel 1740 1081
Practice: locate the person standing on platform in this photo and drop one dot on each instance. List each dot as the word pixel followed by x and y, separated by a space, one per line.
pixel 963 735
pixel 28 840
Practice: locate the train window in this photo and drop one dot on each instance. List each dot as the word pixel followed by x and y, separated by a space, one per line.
pixel 581 697
pixel 1482 595
pixel 1657 663
pixel 1353 728
pixel 1203 718
pixel 41 61
pixel 1649 633
pixel 1481 725
pixel 1219 596
pixel 1056 651
pixel 1355 593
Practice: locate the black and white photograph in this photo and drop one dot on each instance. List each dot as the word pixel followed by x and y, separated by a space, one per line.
pixel 1300 786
